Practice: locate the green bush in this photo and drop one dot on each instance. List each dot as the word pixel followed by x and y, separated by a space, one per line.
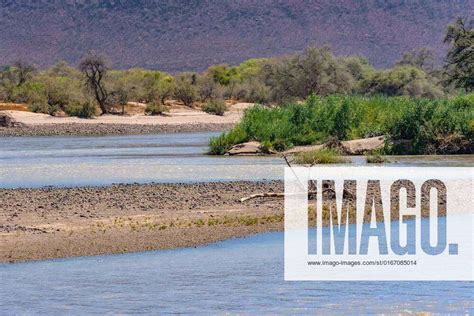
pixel 375 156
pixel 215 106
pixel 156 108
pixel 322 156
pixel 42 107
pixel 84 110
pixel 219 145
pixel 420 121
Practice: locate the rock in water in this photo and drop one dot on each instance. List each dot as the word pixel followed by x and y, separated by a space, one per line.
pixel 249 148
pixel 361 146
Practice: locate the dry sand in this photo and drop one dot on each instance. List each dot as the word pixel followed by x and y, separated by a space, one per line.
pixel 179 119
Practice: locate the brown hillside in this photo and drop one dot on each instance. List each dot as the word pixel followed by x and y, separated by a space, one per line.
pixel 191 35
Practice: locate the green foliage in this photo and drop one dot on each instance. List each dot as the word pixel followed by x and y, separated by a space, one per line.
pixel 215 106
pixel 422 58
pixel 29 92
pixel 421 121
pixel 322 156
pixel 316 70
pixel 219 145
pixel 156 108
pixel 401 81
pixel 61 91
pixel 141 85
pixel 184 89
pixel 208 88
pixel 460 57
pixel 42 107
pixel 375 156
pixel 86 109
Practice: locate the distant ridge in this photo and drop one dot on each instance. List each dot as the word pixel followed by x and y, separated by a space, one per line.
pixel 191 35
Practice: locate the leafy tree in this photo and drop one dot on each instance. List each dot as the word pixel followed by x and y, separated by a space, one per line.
pixel 316 70
pixel 460 57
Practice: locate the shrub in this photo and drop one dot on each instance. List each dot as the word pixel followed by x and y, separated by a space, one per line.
pixel 43 107
pixel 316 70
pixel 84 110
pixel 375 157
pixel 256 92
pixel 322 156
pixel 156 108
pixel 184 89
pixel 403 120
pixel 30 92
pixel 220 144
pixel 209 89
pixel 215 106
pixel 401 80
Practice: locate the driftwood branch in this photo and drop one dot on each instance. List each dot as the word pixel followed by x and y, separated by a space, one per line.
pixel 272 194
pixel 253 196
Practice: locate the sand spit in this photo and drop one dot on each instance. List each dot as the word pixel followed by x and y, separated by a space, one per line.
pixel 63 222
pixel 178 120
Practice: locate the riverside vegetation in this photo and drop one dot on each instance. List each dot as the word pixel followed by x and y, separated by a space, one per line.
pixel 305 98
pixel 412 125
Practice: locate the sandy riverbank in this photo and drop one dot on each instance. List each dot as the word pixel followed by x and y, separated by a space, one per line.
pixel 63 222
pixel 179 119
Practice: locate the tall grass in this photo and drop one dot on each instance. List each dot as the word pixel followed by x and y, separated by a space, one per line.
pixel 420 121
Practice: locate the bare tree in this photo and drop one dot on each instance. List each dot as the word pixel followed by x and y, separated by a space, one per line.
pixel 24 71
pixel 94 69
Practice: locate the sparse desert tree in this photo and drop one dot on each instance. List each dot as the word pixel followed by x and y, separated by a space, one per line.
pixel 316 70
pixel 119 96
pixel 157 88
pixel 94 69
pixel 422 58
pixel 24 71
pixel 184 89
pixel 209 88
pixel 460 57
pixel 399 81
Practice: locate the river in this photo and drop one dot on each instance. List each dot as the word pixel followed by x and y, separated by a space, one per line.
pixel 80 161
pixel 235 276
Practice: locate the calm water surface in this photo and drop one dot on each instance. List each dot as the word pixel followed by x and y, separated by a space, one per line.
pixel 76 161
pixel 235 276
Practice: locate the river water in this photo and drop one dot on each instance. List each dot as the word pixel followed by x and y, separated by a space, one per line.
pixel 235 276
pixel 79 161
